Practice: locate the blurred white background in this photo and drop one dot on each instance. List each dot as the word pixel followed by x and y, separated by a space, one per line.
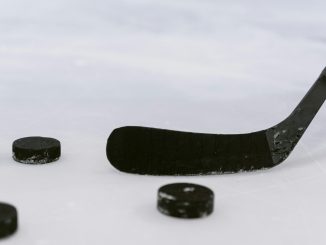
pixel 75 70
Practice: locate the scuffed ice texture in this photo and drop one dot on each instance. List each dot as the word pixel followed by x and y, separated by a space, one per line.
pixel 77 69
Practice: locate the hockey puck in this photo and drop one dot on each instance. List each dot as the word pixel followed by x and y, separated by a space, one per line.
pixel 183 200
pixel 36 150
pixel 8 220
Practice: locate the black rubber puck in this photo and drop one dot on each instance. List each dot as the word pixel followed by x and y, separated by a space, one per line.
pixel 36 150
pixel 8 220
pixel 183 200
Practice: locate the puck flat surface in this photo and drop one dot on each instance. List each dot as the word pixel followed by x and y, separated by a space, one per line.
pixel 8 220
pixel 185 200
pixel 36 150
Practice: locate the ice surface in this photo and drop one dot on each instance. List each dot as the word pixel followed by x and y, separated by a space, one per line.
pixel 75 70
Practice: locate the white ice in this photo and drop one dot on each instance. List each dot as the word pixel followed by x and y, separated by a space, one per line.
pixel 75 70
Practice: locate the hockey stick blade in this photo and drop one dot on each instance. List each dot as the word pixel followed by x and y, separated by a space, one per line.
pixel 154 151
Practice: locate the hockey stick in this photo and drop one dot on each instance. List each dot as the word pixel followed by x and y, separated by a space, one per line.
pixel 153 151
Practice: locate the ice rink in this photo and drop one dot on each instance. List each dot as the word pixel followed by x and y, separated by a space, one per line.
pixel 75 70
